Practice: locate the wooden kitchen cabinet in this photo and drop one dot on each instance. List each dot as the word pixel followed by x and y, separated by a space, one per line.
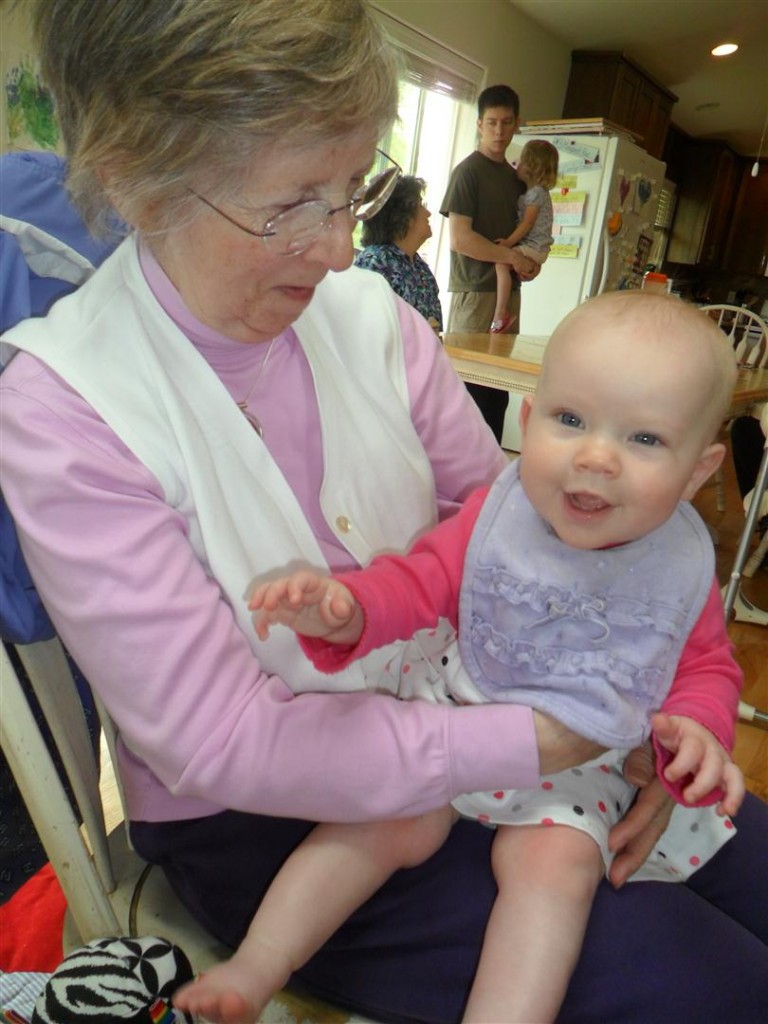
pixel 747 249
pixel 676 152
pixel 707 184
pixel 606 83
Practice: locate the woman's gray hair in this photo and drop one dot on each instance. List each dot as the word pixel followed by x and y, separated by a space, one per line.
pixel 154 96
pixel 395 217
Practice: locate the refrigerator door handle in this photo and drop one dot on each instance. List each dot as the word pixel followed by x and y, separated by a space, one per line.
pixel 605 261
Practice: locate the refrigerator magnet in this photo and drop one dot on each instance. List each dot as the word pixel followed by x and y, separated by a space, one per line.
pixel 623 190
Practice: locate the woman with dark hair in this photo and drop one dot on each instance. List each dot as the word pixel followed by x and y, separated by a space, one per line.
pixel 391 241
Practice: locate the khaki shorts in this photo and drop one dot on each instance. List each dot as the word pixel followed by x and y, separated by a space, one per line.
pixel 472 312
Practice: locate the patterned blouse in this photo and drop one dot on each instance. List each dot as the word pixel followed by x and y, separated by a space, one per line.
pixel 412 279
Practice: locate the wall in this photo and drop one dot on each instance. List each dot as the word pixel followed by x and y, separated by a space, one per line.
pixel 27 120
pixel 494 34
pixel 490 32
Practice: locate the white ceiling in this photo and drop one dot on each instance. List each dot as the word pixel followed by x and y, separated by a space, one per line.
pixel 672 40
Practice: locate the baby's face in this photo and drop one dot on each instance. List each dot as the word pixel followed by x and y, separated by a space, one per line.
pixel 616 435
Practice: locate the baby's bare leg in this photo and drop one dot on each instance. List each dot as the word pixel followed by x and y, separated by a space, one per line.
pixel 547 878
pixel 333 872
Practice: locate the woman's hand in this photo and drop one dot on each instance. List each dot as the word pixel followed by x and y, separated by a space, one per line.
pixel 639 830
pixel 559 747
pixel 646 820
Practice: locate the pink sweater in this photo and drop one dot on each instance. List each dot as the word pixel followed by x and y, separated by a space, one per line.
pixel 203 727
pixel 400 595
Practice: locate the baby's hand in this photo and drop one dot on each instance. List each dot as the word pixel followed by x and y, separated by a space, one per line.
pixel 698 754
pixel 310 604
pixel 505 242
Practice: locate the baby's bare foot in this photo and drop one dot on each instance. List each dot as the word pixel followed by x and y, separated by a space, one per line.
pixel 234 992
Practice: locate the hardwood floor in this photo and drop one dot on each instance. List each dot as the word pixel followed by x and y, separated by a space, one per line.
pixel 750 641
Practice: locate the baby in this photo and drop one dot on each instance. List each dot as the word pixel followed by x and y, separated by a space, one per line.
pixel 581 583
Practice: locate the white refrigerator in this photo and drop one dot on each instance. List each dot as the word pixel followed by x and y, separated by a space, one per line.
pixel 605 205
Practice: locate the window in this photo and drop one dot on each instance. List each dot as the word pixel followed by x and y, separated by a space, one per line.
pixel 435 127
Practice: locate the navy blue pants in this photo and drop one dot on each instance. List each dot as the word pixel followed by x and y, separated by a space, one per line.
pixel 655 952
pixel 492 403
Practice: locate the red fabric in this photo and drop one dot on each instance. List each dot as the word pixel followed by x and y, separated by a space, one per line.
pixel 31 925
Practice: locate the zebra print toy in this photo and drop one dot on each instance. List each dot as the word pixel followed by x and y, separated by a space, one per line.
pixel 114 980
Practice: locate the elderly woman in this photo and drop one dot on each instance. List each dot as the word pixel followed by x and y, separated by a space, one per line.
pixel 214 405
pixel 392 239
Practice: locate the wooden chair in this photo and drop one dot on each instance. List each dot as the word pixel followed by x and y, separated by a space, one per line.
pixel 748 334
pixel 734 601
pixel 109 889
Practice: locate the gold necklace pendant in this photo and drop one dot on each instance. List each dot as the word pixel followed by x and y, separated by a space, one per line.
pixel 253 420
pixel 242 405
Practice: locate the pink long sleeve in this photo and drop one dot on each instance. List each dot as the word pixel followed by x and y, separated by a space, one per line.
pixel 203 728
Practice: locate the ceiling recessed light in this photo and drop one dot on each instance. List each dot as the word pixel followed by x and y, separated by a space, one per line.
pixel 724 49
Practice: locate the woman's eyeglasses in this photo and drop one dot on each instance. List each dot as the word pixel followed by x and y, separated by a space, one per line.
pixel 297 228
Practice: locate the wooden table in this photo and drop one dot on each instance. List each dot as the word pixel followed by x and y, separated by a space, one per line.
pixel 507 362
pixel 512 362
pixel 751 388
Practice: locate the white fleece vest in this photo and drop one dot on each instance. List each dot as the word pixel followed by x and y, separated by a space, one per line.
pixel 114 344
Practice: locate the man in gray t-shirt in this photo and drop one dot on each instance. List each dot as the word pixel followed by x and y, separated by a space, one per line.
pixel 481 205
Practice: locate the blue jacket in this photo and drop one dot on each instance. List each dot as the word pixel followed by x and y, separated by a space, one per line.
pixel 46 251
